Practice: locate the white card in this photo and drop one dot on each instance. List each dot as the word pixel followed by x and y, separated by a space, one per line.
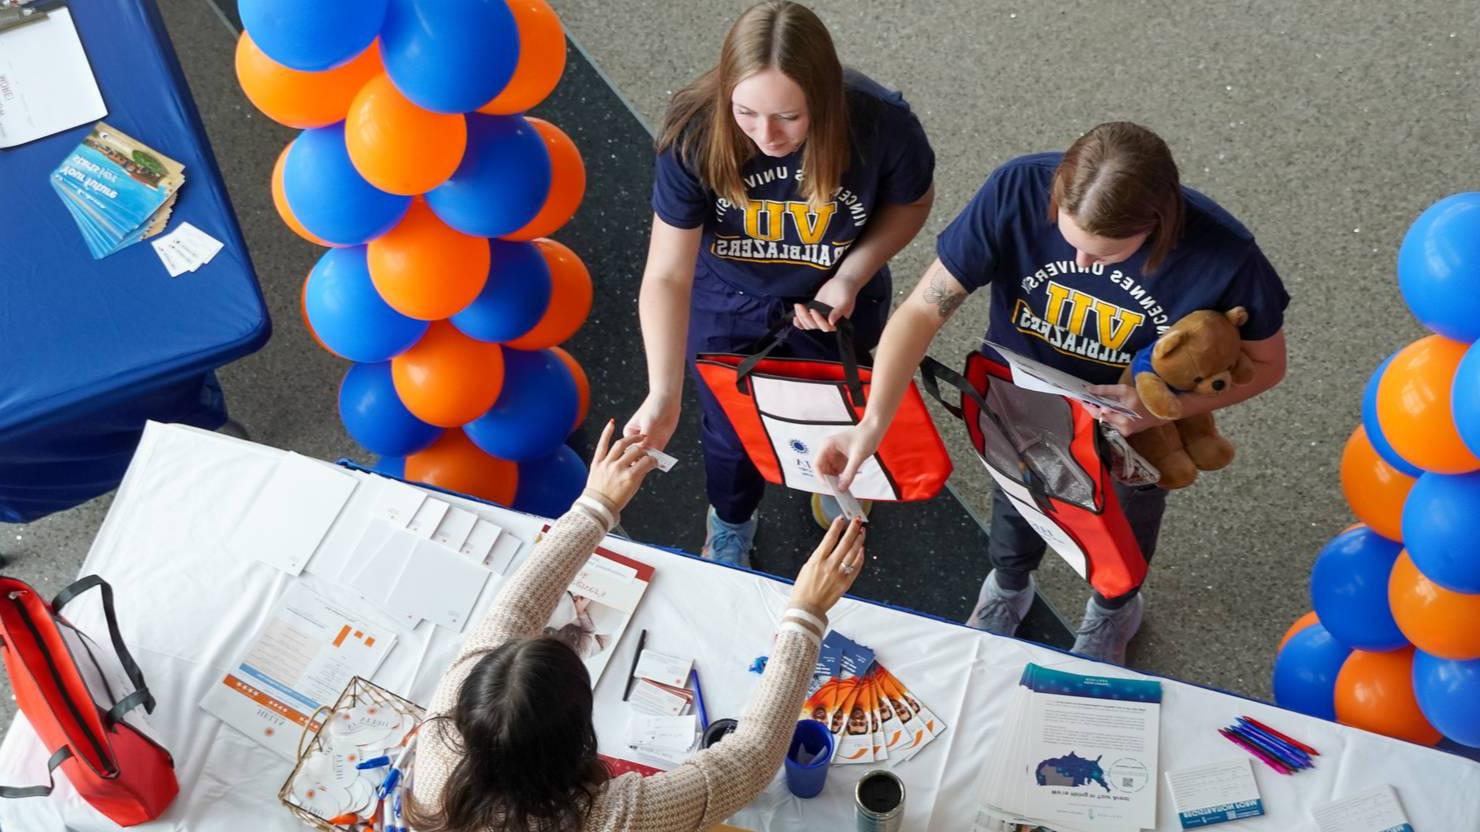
pixel 378 574
pixel 292 513
pixel 481 540
pixel 454 529
pixel 438 584
pixel 654 698
pixel 847 503
pixel 398 502
pixel 665 462
pixel 376 533
pixel 660 733
pixel 167 255
pixel 426 519
pixel 504 552
pixel 203 247
pixel 1375 810
pixel 663 668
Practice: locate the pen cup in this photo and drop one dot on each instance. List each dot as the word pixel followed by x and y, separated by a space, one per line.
pixel 808 757
pixel 718 730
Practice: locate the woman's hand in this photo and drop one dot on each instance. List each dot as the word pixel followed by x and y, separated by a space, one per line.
pixel 831 569
pixel 656 419
pixel 841 454
pixel 840 293
pixel 618 468
pixel 1127 397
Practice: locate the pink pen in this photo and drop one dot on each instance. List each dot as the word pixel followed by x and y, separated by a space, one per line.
pixel 1268 760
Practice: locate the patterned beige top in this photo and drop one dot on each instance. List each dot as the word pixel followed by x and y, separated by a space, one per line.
pixel 712 784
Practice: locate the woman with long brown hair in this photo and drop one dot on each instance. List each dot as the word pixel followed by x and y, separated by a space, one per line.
pixel 781 178
pixel 509 745
pixel 1090 254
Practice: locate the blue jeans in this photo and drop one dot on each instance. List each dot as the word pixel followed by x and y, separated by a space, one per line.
pixel 725 320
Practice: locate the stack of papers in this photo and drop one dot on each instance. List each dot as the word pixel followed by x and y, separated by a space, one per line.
pixel 118 190
pixel 660 685
pixel 303 658
pixel 1074 754
pixel 872 715
pixel 417 579
pixel 597 607
pixel 185 249
pixel 49 85
pixel 1375 810
pixel 668 738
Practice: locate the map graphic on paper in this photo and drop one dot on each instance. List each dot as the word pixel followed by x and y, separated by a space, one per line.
pixel 1071 770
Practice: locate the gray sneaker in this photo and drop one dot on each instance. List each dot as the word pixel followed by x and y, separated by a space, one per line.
pixel 1104 634
pixel 999 611
pixel 728 542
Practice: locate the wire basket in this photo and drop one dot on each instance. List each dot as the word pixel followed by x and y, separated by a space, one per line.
pixel 359 690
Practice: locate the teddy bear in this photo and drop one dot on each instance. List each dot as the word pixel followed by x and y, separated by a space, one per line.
pixel 1200 353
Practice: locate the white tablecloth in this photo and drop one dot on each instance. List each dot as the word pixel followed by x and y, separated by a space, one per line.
pixel 186 607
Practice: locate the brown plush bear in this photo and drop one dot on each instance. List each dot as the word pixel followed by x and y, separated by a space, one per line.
pixel 1201 353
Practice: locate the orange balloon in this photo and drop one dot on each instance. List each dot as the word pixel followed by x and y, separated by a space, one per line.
pixel 1374 489
pixel 541 59
pixel 567 184
pixel 1414 408
pixel 453 462
pixel 448 379
pixel 303 308
pixel 399 147
pixel 1438 621
pixel 1374 691
pixel 1300 624
pixel 583 385
pixel 426 269
pixel 570 299
pixel 301 99
pixel 280 201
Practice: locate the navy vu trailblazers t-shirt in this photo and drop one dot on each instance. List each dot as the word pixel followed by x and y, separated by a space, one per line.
pixel 777 246
pixel 1090 321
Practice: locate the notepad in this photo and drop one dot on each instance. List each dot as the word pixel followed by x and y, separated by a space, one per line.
pixel 437 584
pixel 292 513
pixel 1215 793
pixel 1375 810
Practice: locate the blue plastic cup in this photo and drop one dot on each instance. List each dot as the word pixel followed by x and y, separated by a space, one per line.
pixel 807 759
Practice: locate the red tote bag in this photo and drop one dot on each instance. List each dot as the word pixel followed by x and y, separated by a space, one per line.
pixel 782 409
pixel 78 708
pixel 1047 455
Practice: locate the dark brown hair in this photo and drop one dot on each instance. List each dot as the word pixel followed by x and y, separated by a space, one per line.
pixel 1117 181
pixel 776 34
pixel 528 749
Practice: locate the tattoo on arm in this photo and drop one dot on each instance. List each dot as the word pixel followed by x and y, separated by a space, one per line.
pixel 939 295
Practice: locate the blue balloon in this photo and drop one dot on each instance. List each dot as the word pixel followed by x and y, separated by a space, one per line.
pixel 513 299
pixel 548 486
pixel 374 415
pixel 312 35
pixel 502 182
pixel 1439 267
pixel 391 466
pixel 534 411
pixel 1465 399
pixel 349 316
pixel 1448 693
pixel 450 56
pixel 1305 672
pixel 330 197
pixel 1349 590
pixel 1374 428
pixel 1440 532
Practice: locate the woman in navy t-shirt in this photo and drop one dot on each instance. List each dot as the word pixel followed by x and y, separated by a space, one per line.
pixel 781 178
pixel 1089 255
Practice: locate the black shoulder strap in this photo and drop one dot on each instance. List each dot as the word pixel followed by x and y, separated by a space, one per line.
pixel 141 695
pixel 62 755
pixel 847 353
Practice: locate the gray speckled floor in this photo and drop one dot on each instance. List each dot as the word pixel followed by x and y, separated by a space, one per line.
pixel 1325 126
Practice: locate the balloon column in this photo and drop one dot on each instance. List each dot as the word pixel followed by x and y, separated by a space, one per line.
pixel 434 196
pixel 1393 642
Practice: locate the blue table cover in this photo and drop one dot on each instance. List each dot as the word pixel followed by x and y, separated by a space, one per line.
pixel 90 349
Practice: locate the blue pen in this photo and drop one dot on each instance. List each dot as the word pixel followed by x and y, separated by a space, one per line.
pixel 1269 749
pixel 377 762
pixel 1275 741
pixel 699 699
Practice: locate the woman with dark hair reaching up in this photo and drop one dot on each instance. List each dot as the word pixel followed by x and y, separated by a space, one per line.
pixel 1089 255
pixel 509 745
pixel 781 178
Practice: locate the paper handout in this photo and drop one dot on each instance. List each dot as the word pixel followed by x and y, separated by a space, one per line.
pixel 437 584
pixel 1033 375
pixel 292 513
pixel 49 85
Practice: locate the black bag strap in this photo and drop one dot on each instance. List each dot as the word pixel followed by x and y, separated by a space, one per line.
pixel 847 352
pixel 62 755
pixel 141 694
